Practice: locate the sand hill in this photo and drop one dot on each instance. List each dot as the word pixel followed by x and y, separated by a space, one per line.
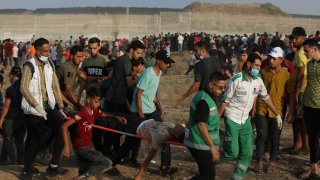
pixel 226 8
pixel 236 8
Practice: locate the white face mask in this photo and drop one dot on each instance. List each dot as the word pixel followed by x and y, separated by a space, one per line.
pixel 43 58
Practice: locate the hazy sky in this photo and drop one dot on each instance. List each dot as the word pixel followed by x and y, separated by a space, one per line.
pixel 290 6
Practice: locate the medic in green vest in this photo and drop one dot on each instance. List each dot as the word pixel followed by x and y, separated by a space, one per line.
pixel 202 131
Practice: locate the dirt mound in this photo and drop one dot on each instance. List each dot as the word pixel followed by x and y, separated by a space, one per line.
pixel 236 8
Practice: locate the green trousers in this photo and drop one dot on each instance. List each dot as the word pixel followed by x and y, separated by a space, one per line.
pixel 238 144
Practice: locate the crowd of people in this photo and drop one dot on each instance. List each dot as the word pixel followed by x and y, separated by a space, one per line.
pixel 275 77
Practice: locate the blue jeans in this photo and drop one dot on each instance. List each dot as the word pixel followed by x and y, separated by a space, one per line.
pixel 179 47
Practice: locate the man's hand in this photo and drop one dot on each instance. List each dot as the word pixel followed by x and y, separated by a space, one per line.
pixel 101 79
pixel 279 121
pixel 66 151
pixel 290 118
pixel 62 113
pixel 215 153
pixel 42 112
pixel 121 119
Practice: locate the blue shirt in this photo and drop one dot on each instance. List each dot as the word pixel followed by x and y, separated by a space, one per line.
pixel 149 83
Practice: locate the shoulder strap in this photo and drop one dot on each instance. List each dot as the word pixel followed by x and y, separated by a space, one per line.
pixel 28 63
pixel 52 65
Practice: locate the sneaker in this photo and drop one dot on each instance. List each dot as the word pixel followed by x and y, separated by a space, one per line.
pixel 85 175
pixel 113 172
pixel 56 171
pixel 27 176
pixel 168 170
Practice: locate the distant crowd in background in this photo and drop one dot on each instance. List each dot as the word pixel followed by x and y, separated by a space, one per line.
pixel 253 82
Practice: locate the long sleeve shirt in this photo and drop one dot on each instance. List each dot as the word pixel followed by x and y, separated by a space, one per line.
pixel 25 81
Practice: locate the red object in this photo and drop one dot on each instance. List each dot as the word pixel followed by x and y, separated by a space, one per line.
pixel 84 126
pixel 67 55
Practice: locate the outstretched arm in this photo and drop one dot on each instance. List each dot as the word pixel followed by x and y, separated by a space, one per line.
pixel 146 163
pixel 66 150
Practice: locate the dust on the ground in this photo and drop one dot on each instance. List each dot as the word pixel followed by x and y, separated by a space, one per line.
pixel 173 85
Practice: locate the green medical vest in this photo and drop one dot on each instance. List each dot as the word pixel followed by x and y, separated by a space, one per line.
pixel 193 137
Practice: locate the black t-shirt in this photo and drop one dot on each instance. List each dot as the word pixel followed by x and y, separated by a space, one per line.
pixel 13 93
pixel 205 68
pixel 202 111
pixel 117 91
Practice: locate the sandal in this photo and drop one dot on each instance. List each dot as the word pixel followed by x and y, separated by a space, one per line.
pixel 308 174
pixel 259 167
pixel 271 167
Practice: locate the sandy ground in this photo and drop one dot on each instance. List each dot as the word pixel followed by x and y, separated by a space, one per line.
pixel 173 84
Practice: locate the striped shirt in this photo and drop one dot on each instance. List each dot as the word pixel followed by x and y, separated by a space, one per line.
pixel 277 85
pixel 25 81
pixel 312 92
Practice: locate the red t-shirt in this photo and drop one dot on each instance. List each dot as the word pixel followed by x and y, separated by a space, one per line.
pixel 84 125
pixel 9 49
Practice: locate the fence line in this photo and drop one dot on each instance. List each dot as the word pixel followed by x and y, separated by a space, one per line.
pixel 21 27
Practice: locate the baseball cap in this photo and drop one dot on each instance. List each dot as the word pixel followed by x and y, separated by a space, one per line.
pixel 298 31
pixel 276 52
pixel 16 70
pixel 163 55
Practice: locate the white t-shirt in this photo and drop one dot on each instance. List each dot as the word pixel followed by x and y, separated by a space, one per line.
pixel 15 51
pixel 180 39
pixel 157 131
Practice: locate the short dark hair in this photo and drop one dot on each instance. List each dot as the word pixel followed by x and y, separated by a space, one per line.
pixel 136 44
pixel 93 92
pixel 137 62
pixel 278 43
pixel 75 49
pixel 152 54
pixel 94 40
pixel 40 42
pixel 203 45
pixel 312 42
pixel 253 56
pixel 256 48
pixel 217 76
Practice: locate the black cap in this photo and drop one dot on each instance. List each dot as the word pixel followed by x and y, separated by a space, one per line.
pixel 298 31
pixel 163 55
pixel 16 70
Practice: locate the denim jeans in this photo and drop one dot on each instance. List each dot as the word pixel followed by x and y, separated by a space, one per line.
pixel 92 160
pixel 267 130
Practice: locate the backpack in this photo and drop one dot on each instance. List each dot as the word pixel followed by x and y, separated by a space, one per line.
pixel 28 63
